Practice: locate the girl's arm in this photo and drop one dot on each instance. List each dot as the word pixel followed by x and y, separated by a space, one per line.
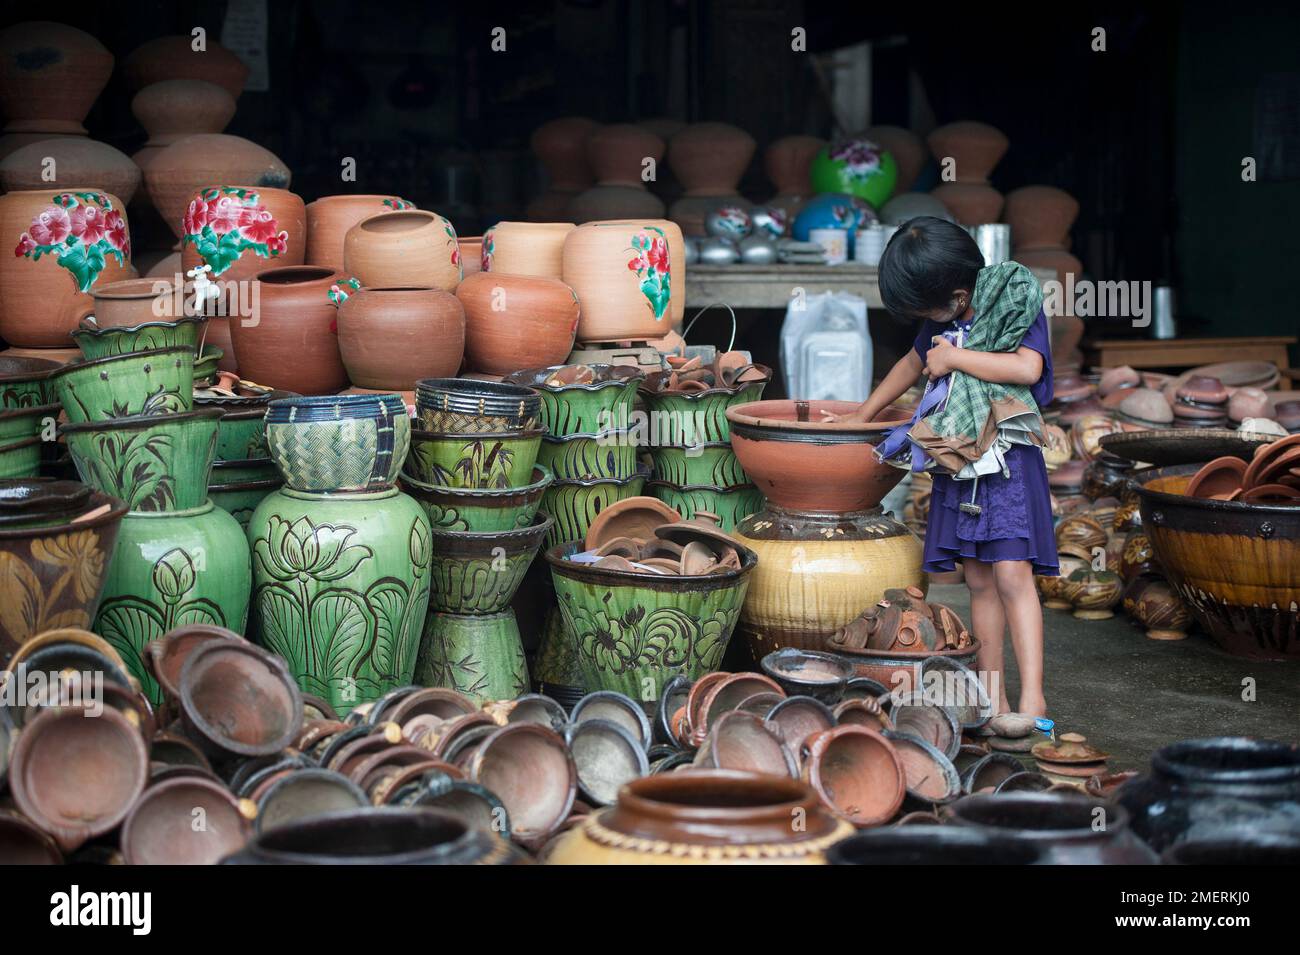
pixel 1020 367
pixel 901 377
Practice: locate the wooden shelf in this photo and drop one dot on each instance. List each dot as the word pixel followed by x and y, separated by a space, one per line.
pixel 1189 352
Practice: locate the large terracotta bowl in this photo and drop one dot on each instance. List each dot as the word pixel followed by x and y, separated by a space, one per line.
pixel 1237 566
pixel 803 463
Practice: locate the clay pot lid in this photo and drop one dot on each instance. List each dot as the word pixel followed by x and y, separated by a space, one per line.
pixel 1146 404
pixel 28 499
pixel 241 698
pixel 867 761
pixel 73 635
pixel 1182 445
pixel 1217 479
pixel 635 517
pixel 928 773
pixel 167 654
pixel 744 741
pixel 1202 389
pixel 1237 374
pixel 806 416
pixel 1113 379
pixel 1069 748
pixel 158 830
pixel 607 756
pixel 704 527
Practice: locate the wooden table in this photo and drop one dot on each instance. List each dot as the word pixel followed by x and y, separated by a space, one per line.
pixel 1185 352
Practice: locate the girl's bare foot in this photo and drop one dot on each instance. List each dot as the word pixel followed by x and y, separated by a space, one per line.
pixel 1033 706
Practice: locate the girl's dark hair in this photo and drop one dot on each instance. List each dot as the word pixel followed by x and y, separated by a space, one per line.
pixel 925 262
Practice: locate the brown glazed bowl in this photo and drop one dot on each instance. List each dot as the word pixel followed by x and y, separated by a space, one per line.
pixel 531 770
pixel 167 655
pixel 75 776
pixel 162 829
pixel 856 773
pixel 239 700
pixel 743 741
pixel 21 843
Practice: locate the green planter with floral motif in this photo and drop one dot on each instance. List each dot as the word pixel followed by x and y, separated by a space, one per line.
pixel 119 386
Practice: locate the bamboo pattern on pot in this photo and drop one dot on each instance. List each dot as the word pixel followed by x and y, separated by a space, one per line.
pixel 480 465
pixel 29 607
pixel 481 657
pixel 26 394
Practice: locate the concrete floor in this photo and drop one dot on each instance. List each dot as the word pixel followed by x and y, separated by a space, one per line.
pixel 1131 695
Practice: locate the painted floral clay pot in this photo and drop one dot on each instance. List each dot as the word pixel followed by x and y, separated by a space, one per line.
pixel 803 463
pixel 479 655
pixel 240 498
pixel 701 416
pixel 330 217
pixel 633 633
pixel 588 457
pixel 339 443
pixel 676 258
pixel 1198 787
pixel 120 386
pixel 50 75
pixel 77 159
pixel 472 509
pixel 817 572
pixel 623 276
pixel 456 459
pixel 527 248
pixel 341 588
pixel 731 504
pixel 1236 566
pixel 152 462
pixel 24 382
pixel 390 338
pixel 574 503
pixel 855 166
pixel 170 568
pixel 1063 826
pixel 705 817
pixel 52 571
pixel 99 342
pixel 293 344
pixel 410 248
pixel 240 231
pixel 42 295
pixel 515 321
pixel 582 406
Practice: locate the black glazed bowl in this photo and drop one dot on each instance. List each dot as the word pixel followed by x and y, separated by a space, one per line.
pixel 822 676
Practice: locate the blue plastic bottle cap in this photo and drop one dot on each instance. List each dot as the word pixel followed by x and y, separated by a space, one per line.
pixel 1044 725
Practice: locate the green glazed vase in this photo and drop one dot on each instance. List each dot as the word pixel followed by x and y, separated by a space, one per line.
pixel 208 363
pixel 472 509
pixel 585 408
pixel 478 655
pixel 122 386
pixel 586 456
pixel 17 424
pixel 483 461
pixel 21 459
pixel 634 632
pixel 170 569
pixel 153 462
pixel 340 589
pixel 699 416
pixel 731 504
pixel 96 342
pixel 241 499
pixel 574 504
pixel 478 573
pixel 714 465
pixel 242 436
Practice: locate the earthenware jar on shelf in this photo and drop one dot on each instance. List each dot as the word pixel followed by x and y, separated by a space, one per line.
pixel 617 155
pixel 390 338
pixel 908 149
pixel 340 556
pixel 173 109
pixel 561 145
pixel 44 295
pixel 704 817
pixel 526 248
pixel 240 231
pixel 516 321
pixel 974 149
pixel 1040 217
pixel 622 273
pixel 174 57
pixel 409 248
pixel 330 217
pixel 787 162
pixel 708 159
pixel 50 76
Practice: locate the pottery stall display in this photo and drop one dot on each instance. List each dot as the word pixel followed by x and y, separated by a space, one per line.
pixel 973 149
pixel 561 146
pixel 526 248
pixel 619 156
pixel 330 217
pixel 708 159
pixel 516 321
pixel 409 248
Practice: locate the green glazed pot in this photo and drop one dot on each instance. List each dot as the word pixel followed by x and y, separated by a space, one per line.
pixel 699 416
pixel 329 443
pixel 471 509
pixel 483 461
pixel 173 568
pixel 153 462
pixel 480 656
pixel 96 342
pixel 25 382
pixel 634 632
pixel 574 504
pixel 242 436
pixel 237 472
pixel 206 365
pixel 122 386
pixel 731 504
pixel 241 499
pixel 586 456
pixel 19 423
pixel 555 667
pixel 712 464
pixel 478 573
pixel 601 405
pixel 21 459
pixel 340 589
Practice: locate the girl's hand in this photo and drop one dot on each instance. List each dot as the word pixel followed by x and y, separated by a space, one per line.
pixel 941 358
pixel 858 414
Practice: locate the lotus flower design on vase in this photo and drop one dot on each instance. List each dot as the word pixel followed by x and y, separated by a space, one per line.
pixel 81 230
pixel 224 222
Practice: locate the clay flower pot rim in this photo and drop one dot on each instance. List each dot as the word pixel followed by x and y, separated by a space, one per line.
pixel 126 356
pixel 401 220
pixel 1209 507
pixel 486 541
pixel 555 556
pixel 729 489
pixel 397 288
pixel 642 473
pixel 31 411
pixel 1178 759
pixel 295 274
pixel 134 422
pixel 653 796
pixel 758 414
pixel 134 288
pixel 975 810
pixel 611 438
pixel 37 368
pixel 545 479
pixel 89 327
pixel 117 510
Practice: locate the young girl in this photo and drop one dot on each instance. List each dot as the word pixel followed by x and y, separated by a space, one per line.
pixel 984 345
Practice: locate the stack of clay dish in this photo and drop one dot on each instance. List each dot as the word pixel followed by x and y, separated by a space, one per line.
pixel 516 321
pixel 561 146
pixel 622 272
pixel 330 217
pixel 526 248
pixel 787 162
pixel 1271 477
pixel 825 548
pixel 408 248
pixel 1070 759
pixel 618 157
pixel 975 148
pixel 1263 375
pixel 390 338
pixel 1201 402
pixel 709 160
pixel 1287 414
pixel 50 75
pixel 642 535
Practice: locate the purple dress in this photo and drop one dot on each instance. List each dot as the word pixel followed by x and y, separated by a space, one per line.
pixel 1015 518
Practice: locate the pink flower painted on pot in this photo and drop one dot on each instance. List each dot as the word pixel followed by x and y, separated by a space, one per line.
pixel 278 244
pixel 196 216
pixel 224 222
pixel 398 203
pixel 224 217
pixel 861 157
pixel 487 248
pixel 81 230
pixel 455 246
pixel 115 231
pixel 651 264
pixel 87 223
pixel 51 227
pixel 260 227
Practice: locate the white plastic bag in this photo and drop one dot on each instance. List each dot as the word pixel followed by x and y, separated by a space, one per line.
pixel 826 348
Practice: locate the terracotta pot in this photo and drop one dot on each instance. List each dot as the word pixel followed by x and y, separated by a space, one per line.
pixel 623 276
pixel 1063 262
pixel 976 148
pixel 161 828
pixel 676 260
pixel 526 248
pixel 561 145
pixel 76 159
pixel 530 769
pixel 131 302
pixel 389 338
pixel 514 322
pixel 1249 403
pixel 471 253
pixel 281 239
pixel 294 343
pixel 710 158
pixel 704 817
pixel 908 149
pixel 50 76
pixel 745 742
pixel 42 300
pixel 971 203
pixel 173 109
pixel 1040 217
pixel 180 170
pixel 330 217
pixel 77 777
pixel 174 57
pixel 617 154
pixel 788 161
pixel 856 773
pixel 612 202
pixel 239 700
pixel 411 248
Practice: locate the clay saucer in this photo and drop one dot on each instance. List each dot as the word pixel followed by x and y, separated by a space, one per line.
pixel 1280 466
pixel 704 526
pixel 620 547
pixel 1217 479
pixel 1270 494
pixel 1265 456
pixel 1070 748
pixel 665 565
pixel 697 558
pixel 635 517
pixel 659 548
